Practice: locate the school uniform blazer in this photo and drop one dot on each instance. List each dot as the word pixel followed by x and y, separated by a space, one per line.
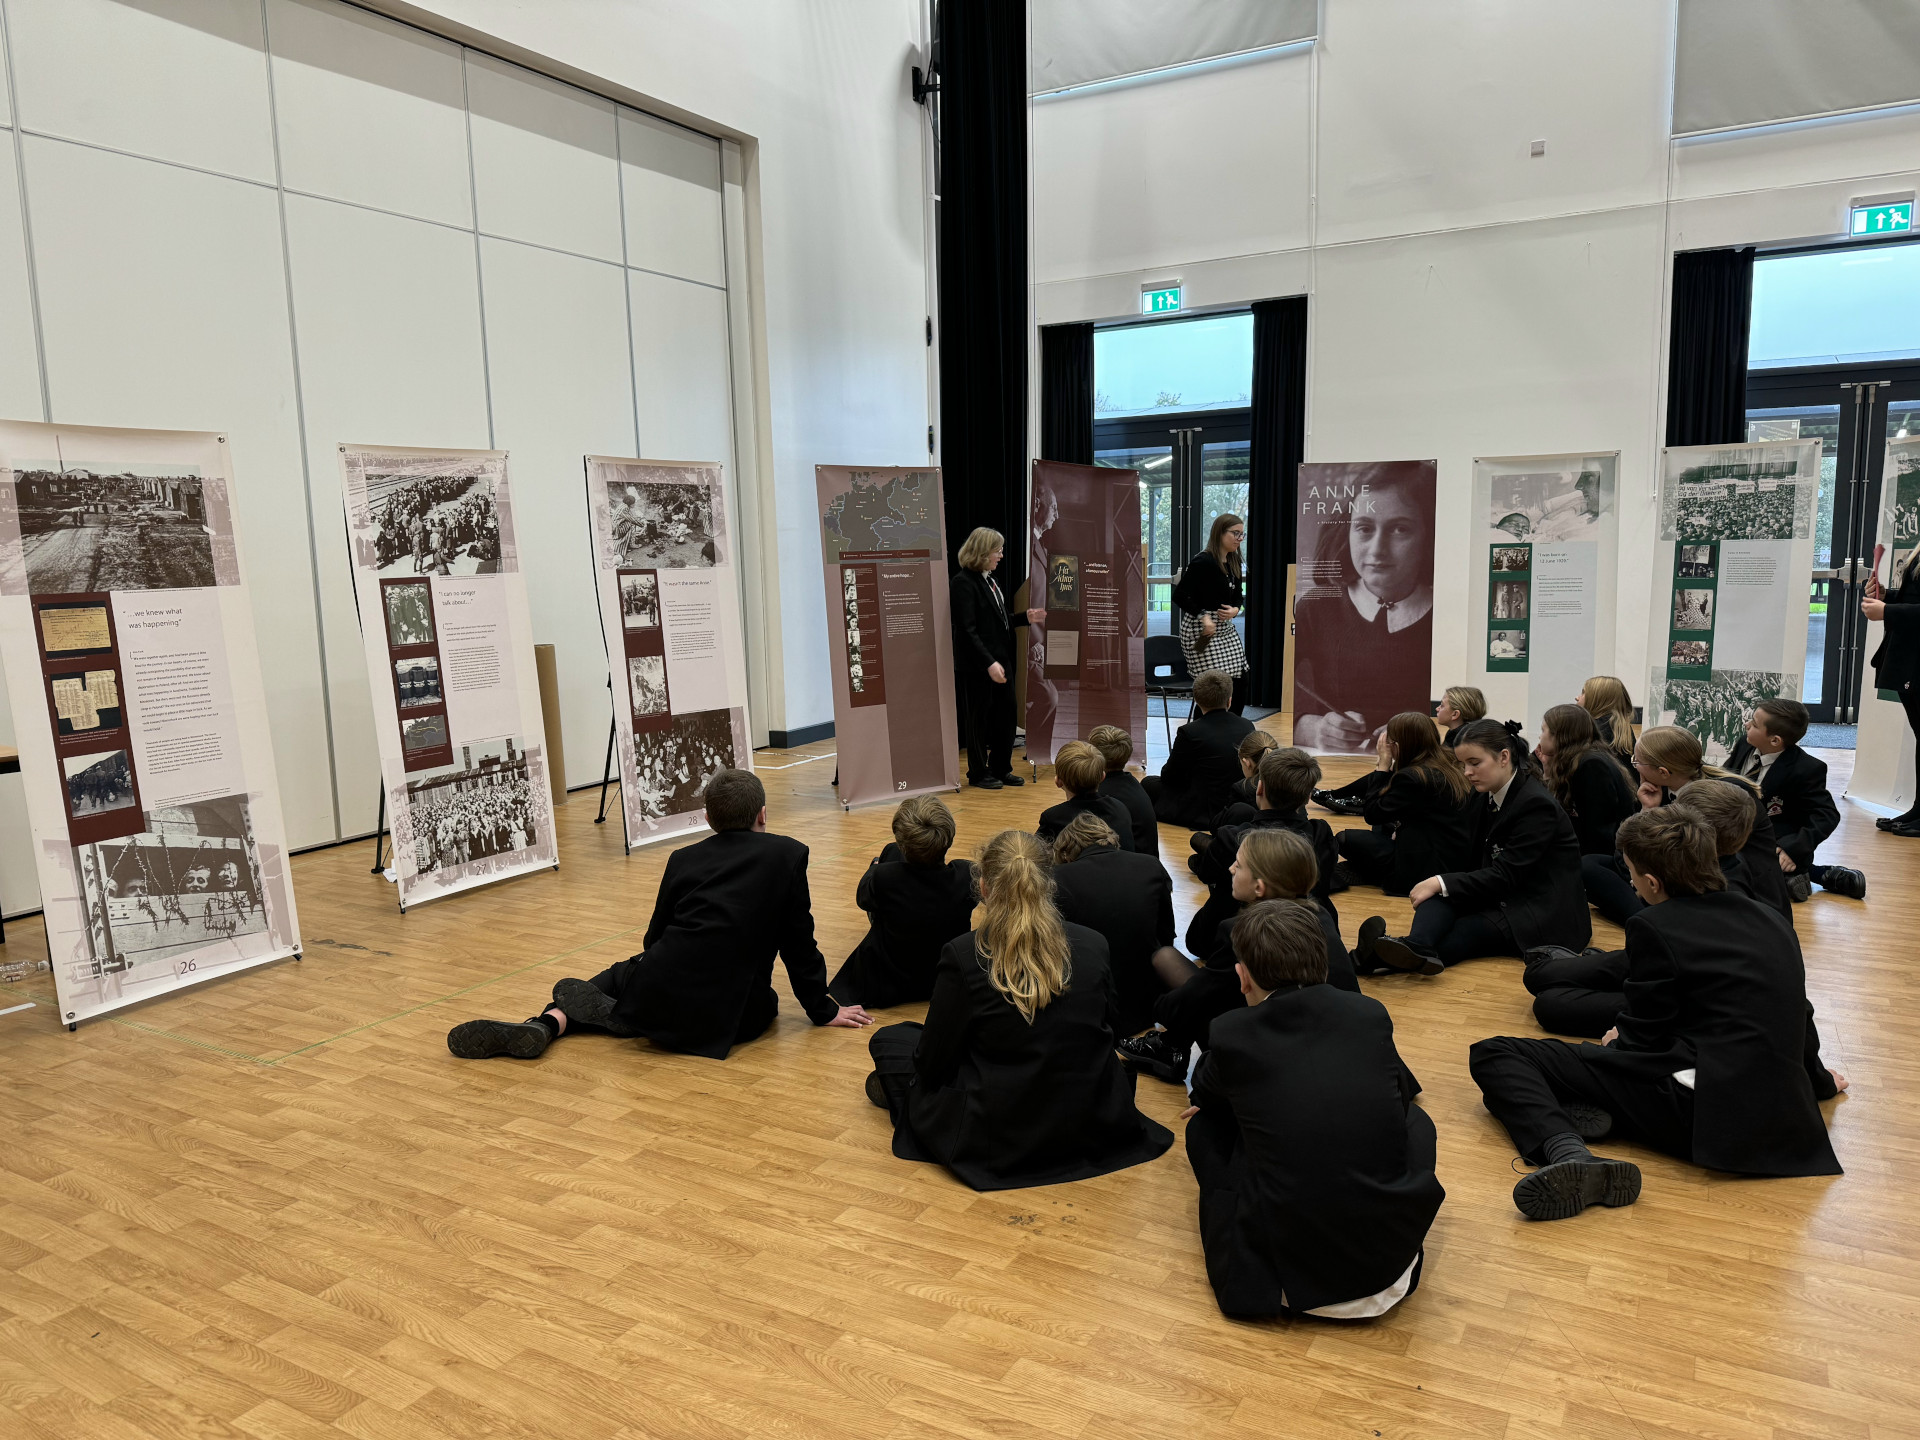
pixel 1121 786
pixel 1600 796
pixel 1056 818
pixel 1003 1103
pixel 1212 865
pixel 1527 869
pixel 1325 1204
pixel 1896 663
pixel 1201 768
pixel 1128 900
pixel 1432 831
pixel 982 633
pixel 726 907
pixel 912 911
pixel 1759 865
pixel 1242 795
pixel 1716 985
pixel 1798 804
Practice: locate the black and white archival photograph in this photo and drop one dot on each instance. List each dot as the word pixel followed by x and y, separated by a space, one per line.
pixel 674 764
pixel 192 877
pixel 482 808
pixel 433 524
pixel 422 733
pixel 1716 707
pixel 1509 600
pixel 1695 562
pixel 1506 645
pixel 1512 557
pixel 1740 492
pixel 640 600
pixel 1690 653
pixel 83 531
pixel 663 524
pixel 647 680
pixel 1693 609
pixel 98 782
pixel 409 614
pixel 418 682
pixel 1550 506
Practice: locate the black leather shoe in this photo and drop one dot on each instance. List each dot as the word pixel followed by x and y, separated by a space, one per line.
pixel 1327 800
pixel 1842 881
pixel 1559 1192
pixel 1371 929
pixel 484 1039
pixel 1012 779
pixel 1909 831
pixel 987 784
pixel 1403 955
pixel 1887 822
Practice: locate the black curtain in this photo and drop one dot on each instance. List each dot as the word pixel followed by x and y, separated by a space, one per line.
pixel 1066 393
pixel 983 273
pixel 1707 349
pixel 1278 447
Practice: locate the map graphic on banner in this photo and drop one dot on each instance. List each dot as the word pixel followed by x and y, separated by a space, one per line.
pixel 449 644
pixel 666 576
pixel 1732 571
pixel 1087 665
pixel 127 635
pixel 884 552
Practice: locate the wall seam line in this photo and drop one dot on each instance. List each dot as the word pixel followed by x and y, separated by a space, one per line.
pixel 479 276
pixel 26 222
pixel 626 281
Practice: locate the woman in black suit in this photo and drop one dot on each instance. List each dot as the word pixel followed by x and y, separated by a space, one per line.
pixel 1896 664
pixel 1013 1080
pixel 1588 780
pixel 984 657
pixel 1209 597
pixel 1524 889
pixel 1420 819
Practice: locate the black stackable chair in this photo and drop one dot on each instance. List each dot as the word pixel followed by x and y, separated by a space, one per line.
pixel 1163 654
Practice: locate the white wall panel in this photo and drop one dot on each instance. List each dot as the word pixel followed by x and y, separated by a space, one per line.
pixel 544 166
pixel 19 400
pixel 180 323
pixel 1860 147
pixel 6 94
pixel 670 181
pixel 562 389
pixel 388 315
pixel 369 111
pixel 182 80
pixel 680 370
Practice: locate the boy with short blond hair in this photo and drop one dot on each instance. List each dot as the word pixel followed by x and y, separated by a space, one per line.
pixel 1079 770
pixel 1117 746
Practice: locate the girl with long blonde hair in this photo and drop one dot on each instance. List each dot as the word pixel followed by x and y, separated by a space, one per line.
pixel 1605 698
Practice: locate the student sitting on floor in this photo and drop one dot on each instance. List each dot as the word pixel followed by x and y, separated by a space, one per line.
pixel 702 982
pixel 916 900
pixel 1458 708
pixel 1421 819
pixel 1524 887
pixel 1586 777
pixel 1793 788
pixel 1605 698
pixel 1315 1166
pixel 1287 778
pixel 1013 1081
pixel 1715 1060
pixel 1116 746
pixel 1251 749
pixel 1079 769
pixel 1128 899
pixel 1192 786
pixel 1271 865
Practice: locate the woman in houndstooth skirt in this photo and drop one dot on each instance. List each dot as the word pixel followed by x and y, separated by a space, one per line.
pixel 1207 599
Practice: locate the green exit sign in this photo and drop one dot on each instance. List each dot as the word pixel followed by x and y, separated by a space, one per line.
pixel 1894 219
pixel 1160 302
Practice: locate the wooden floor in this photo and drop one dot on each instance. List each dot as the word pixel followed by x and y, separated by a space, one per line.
pixel 275 1207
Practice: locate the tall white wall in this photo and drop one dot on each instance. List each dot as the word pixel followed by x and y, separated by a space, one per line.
pixel 1467 298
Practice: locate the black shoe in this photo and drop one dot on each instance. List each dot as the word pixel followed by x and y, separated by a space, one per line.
pixel 987 784
pixel 1341 879
pixel 1542 954
pixel 1327 800
pixel 1371 929
pixel 1559 1192
pixel 876 1092
pixel 1152 1053
pixel 1199 841
pixel 1887 822
pixel 1842 881
pixel 1012 779
pixel 1910 830
pixel 1403 955
pixel 1799 888
pixel 582 1004
pixel 1590 1122
pixel 484 1039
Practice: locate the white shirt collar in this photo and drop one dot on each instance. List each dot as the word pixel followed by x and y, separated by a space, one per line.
pixel 1409 610
pixel 1500 795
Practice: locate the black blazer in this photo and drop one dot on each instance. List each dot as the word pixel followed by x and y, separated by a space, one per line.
pixel 1005 1104
pixel 1201 768
pixel 1896 663
pixel 1716 985
pixel 1759 865
pixel 1527 867
pixel 1242 794
pixel 1056 818
pixel 1333 1188
pixel 1189 1010
pixel 912 912
pixel 1599 796
pixel 982 629
pixel 1128 899
pixel 726 906
pixel 1432 831
pixel 1121 786
pixel 1793 789
pixel 1211 865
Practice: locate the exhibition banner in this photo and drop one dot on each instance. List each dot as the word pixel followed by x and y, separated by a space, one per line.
pixel 1733 565
pixel 127 634
pixel 1883 765
pixel 1086 665
pixel 666 576
pixel 449 642
pixel 1363 619
pixel 883 550
pixel 1550 542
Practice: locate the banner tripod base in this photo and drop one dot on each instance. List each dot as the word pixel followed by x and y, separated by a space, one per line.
pixel 606 773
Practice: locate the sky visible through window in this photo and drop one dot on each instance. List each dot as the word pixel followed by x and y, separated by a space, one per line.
pixel 1833 307
pixel 1167 365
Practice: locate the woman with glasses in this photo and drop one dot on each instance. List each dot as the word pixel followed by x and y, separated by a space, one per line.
pixel 1208 598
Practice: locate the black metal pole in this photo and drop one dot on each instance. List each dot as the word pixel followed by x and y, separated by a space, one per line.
pixel 380 830
pixel 606 773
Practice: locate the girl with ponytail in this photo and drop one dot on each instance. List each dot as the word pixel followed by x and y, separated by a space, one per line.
pixel 1013 1081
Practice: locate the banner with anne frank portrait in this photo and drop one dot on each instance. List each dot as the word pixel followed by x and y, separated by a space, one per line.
pixel 1363 607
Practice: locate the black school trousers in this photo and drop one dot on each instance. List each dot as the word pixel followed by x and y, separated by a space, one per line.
pixel 758 1014
pixel 1528 1085
pixel 1441 928
pixel 987 710
pixel 1577 994
pixel 1608 889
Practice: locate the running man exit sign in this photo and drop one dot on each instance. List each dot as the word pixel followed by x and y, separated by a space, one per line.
pixel 1895 218
pixel 1163 300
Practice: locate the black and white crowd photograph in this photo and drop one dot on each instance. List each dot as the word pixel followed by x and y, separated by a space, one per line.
pixel 640 600
pixel 647 682
pixel 192 877
pixel 98 782
pixel 409 614
pixel 664 524
pixel 672 765
pixel 477 811
pixel 443 524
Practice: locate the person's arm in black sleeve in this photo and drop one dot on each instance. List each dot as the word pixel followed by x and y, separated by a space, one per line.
pixel 863 892
pixel 1401 798
pixel 1809 815
pixel 1212 1082
pixel 1179 762
pixel 1164 928
pixel 1211 864
pixel 1520 864
pixel 806 966
pixel 1326 855
pixel 663 902
pixel 969 644
pixel 943 1039
pixel 1652 1017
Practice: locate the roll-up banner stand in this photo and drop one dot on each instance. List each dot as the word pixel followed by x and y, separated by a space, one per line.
pixel 1732 568
pixel 1883 768
pixel 665 573
pixel 883 551
pixel 449 645
pixel 1545 566
pixel 1363 616
pixel 1086 666
pixel 145 754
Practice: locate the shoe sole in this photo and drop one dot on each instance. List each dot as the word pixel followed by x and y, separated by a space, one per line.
pixel 1404 958
pixel 1559 1192
pixel 1590 1122
pixel 582 1004
pixel 485 1039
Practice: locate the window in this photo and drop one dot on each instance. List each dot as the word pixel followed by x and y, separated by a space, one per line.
pixel 1835 307
pixel 1168 366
